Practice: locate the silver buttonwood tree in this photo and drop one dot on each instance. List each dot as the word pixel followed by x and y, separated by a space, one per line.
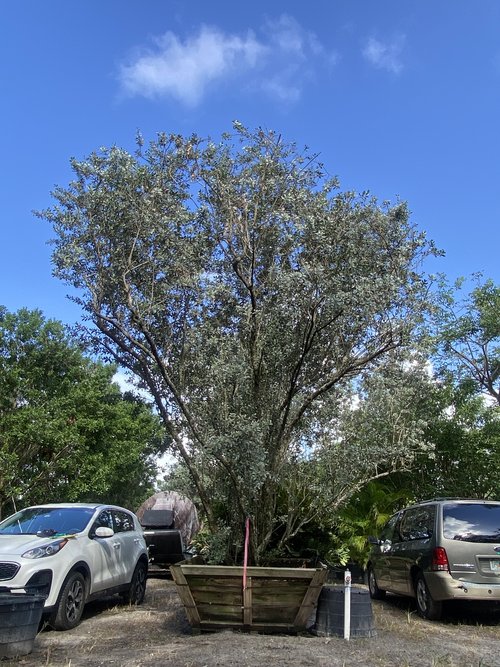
pixel 243 289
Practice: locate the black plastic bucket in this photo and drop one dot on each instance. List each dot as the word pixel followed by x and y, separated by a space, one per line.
pixel 330 613
pixel 20 616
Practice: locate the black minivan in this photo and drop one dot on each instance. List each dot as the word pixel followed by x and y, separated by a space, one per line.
pixel 445 549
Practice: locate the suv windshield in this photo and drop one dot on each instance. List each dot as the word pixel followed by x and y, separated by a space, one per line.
pixel 472 522
pixel 47 521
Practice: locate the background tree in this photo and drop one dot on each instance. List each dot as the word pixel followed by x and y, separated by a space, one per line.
pixel 458 409
pixel 465 432
pixel 464 405
pixel 66 431
pixel 467 334
pixel 452 417
pixel 243 290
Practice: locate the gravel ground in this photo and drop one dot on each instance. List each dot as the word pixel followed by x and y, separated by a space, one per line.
pixel 157 633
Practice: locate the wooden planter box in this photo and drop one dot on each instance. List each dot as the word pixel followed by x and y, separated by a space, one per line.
pixel 276 599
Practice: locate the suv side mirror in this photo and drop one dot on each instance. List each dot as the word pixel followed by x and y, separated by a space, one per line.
pixel 104 531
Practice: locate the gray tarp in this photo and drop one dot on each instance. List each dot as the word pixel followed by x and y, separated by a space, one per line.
pixel 185 514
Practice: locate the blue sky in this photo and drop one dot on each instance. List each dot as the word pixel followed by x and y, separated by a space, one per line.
pixel 400 98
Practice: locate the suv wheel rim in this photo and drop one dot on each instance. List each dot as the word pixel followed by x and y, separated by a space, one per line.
pixel 74 600
pixel 140 584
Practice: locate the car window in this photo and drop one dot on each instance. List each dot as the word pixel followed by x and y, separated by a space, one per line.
pixel 47 521
pixel 472 522
pixel 123 521
pixel 418 523
pixel 390 531
pixel 104 520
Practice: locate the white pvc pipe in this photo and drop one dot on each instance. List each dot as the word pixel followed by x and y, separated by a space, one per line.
pixel 347 604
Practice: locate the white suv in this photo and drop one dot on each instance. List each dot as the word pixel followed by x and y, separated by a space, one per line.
pixel 73 553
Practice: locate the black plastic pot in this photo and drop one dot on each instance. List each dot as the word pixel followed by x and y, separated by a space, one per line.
pixel 20 616
pixel 330 613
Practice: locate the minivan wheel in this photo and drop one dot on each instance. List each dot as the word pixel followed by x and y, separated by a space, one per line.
pixel 375 592
pixel 426 606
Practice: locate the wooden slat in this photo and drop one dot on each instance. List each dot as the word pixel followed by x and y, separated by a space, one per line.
pixel 223 597
pixel 262 587
pixel 237 571
pixel 185 596
pixel 310 598
pixel 217 626
pixel 273 615
pixel 285 582
pixel 233 615
pixel 213 583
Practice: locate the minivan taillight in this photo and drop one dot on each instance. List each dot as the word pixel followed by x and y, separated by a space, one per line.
pixel 439 560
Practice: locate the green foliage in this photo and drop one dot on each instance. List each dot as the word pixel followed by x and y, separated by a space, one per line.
pixel 214 546
pixel 246 292
pixel 351 481
pixel 177 479
pixel 467 334
pixel 463 406
pixel 380 428
pixel 66 431
pixel 365 514
pixel 465 432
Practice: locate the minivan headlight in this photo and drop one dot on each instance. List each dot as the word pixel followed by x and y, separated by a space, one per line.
pixel 48 549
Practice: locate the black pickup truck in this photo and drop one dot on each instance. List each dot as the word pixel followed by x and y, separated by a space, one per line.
pixel 164 542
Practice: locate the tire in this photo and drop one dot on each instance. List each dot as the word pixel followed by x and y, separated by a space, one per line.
pixel 426 606
pixel 135 594
pixel 70 603
pixel 376 593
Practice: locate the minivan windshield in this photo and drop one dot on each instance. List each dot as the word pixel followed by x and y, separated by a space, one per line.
pixel 47 521
pixel 472 522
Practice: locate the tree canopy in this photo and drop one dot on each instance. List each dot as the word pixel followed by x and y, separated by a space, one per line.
pixel 456 413
pixel 246 293
pixel 66 431
pixel 463 411
pixel 468 334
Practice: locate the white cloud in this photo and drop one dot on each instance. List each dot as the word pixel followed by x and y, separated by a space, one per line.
pixel 385 55
pixel 185 69
pixel 287 35
pixel 281 88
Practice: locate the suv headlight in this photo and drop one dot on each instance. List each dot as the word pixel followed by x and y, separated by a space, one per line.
pixel 48 549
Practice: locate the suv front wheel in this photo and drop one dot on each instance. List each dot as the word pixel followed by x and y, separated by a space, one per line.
pixel 70 603
pixel 426 606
